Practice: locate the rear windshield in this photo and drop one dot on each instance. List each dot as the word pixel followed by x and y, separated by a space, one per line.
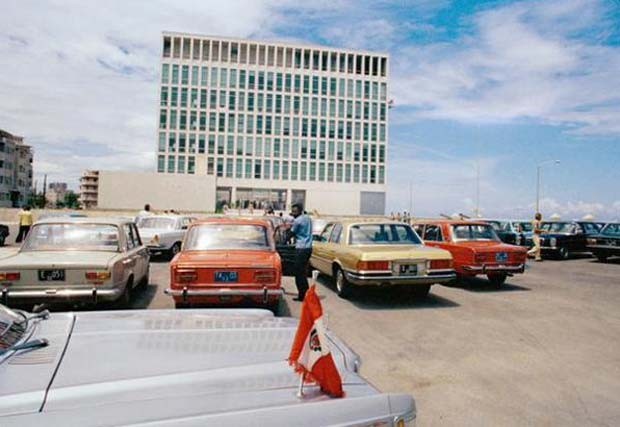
pixel 227 236
pixel 160 223
pixel 611 230
pixel 523 227
pixel 383 234
pixel 474 232
pixel 84 237
pixel 557 227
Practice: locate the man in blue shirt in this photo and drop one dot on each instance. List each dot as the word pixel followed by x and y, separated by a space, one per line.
pixel 302 229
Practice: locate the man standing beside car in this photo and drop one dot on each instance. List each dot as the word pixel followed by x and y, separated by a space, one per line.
pixel 302 230
pixel 537 231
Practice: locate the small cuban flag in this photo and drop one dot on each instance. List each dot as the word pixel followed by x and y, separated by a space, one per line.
pixel 310 355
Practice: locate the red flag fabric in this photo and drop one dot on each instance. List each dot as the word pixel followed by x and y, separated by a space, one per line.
pixel 310 355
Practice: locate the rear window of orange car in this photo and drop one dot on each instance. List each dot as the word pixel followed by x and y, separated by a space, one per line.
pixel 227 237
pixel 474 232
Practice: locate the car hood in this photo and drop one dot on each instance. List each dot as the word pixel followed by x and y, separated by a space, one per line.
pixel 218 259
pixel 190 368
pixel 57 259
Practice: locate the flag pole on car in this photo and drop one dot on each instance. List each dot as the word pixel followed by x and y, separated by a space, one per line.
pixel 310 355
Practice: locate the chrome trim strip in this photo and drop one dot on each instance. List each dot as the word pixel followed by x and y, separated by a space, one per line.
pixel 222 292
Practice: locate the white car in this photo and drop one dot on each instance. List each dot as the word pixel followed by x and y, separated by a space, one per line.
pixel 164 233
pixel 83 260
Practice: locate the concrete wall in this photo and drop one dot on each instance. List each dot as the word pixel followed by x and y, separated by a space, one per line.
pixel 131 190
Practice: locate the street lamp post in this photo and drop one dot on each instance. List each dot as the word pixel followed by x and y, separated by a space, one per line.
pixel 538 169
pixel 477 189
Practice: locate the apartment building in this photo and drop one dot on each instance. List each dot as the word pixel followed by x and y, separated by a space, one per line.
pixel 89 189
pixel 274 123
pixel 15 170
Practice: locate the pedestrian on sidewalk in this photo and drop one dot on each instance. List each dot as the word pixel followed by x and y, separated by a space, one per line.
pixel 25 222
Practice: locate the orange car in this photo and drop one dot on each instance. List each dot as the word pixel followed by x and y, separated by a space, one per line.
pixel 227 261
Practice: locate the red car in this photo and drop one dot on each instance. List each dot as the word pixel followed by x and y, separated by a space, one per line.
pixel 227 261
pixel 475 248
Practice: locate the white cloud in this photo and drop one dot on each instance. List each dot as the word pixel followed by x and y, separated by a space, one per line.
pixel 520 61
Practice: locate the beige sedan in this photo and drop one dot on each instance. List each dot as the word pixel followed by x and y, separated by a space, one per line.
pixel 82 260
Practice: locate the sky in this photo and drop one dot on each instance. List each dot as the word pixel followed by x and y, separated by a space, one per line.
pixel 480 88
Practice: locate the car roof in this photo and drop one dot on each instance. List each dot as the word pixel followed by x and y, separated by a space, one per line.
pixel 451 221
pixel 85 220
pixel 360 221
pixel 232 220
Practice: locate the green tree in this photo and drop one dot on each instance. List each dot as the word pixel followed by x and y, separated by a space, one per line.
pixel 71 200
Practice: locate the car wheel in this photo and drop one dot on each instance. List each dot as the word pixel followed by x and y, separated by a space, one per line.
pixel 563 253
pixel 420 291
pixel 180 305
pixel 274 307
pixel 497 280
pixel 2 240
pixel 343 287
pixel 601 257
pixel 124 300
pixel 175 249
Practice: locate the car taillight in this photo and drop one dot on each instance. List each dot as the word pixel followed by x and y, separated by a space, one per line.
pixel 441 264
pixel 591 241
pixel 480 257
pixel 10 277
pixel 264 276
pixel 186 276
pixel 97 276
pixel 373 265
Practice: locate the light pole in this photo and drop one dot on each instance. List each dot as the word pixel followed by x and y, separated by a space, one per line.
pixel 538 169
pixel 477 188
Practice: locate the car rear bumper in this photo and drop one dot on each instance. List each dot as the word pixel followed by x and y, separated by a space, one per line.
pixel 494 269
pixel 186 293
pixel 91 295
pixel 389 279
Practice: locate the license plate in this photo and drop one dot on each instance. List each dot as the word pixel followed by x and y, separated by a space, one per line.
pixel 411 269
pixel 52 275
pixel 226 276
pixel 501 257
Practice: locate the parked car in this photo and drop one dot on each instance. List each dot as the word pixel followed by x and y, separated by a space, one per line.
pixel 174 368
pixel 475 247
pixel 227 261
pixel 379 253
pixel 4 233
pixel 163 234
pixel 561 239
pixel 607 243
pixel 525 229
pixel 81 260
pixel 505 230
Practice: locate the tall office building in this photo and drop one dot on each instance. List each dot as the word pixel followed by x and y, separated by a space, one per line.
pixel 275 123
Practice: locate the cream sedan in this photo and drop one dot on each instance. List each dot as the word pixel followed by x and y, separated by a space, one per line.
pixel 81 260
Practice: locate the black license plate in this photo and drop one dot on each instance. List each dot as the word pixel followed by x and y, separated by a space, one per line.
pixel 52 275
pixel 408 269
pixel 226 276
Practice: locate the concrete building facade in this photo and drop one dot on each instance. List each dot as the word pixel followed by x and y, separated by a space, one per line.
pixel 268 124
pixel 55 193
pixel 15 170
pixel 89 189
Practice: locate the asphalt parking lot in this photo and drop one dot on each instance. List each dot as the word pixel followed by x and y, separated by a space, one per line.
pixel 542 350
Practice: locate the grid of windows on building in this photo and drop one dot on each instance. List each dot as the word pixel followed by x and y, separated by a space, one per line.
pixel 272 111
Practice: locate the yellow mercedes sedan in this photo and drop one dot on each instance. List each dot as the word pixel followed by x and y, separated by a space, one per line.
pixel 379 253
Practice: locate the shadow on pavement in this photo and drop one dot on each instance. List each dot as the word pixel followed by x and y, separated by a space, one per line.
pixel 611 261
pixel 396 299
pixel 142 298
pixel 483 285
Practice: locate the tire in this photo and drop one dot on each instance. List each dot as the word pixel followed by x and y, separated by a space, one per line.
pixel 175 249
pixel 420 291
pixel 274 307
pixel 124 301
pixel 2 240
pixel 601 257
pixel 497 280
pixel 343 287
pixel 180 305
pixel 563 253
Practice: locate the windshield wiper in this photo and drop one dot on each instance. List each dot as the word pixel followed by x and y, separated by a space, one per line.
pixel 38 343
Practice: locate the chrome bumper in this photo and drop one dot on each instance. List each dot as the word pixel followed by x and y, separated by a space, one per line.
pixel 92 295
pixel 390 279
pixel 495 268
pixel 186 293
